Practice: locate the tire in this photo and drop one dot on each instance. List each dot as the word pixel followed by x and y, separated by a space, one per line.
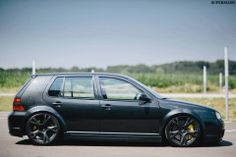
pixel 43 128
pixel 183 131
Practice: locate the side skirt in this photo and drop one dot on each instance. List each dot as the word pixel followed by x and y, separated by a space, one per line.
pixel 120 136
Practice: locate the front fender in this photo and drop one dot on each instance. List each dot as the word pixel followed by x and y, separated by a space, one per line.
pixel 177 112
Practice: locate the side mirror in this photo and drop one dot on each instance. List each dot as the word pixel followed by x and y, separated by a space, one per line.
pixel 143 97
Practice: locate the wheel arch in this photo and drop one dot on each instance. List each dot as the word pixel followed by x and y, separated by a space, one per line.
pixel 45 109
pixel 178 112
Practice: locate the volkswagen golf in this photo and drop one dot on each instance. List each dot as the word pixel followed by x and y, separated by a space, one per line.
pixel 106 105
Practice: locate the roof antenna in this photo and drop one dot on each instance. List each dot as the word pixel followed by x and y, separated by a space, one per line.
pixel 33 67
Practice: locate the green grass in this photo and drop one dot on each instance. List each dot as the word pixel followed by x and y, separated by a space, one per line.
pixel 12 79
pixel 6 103
pixel 9 90
pixel 216 103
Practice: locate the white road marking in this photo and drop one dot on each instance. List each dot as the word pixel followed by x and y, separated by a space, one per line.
pixel 227 122
pixel 7 94
pixel 231 130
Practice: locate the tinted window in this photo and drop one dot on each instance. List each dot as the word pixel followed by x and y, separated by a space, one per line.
pixel 56 88
pixel 118 89
pixel 78 87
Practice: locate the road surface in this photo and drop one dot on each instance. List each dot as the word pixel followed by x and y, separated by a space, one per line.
pixel 20 147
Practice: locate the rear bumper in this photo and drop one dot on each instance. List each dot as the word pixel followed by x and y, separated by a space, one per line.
pixel 214 131
pixel 16 123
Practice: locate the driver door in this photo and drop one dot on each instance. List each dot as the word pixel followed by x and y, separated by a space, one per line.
pixel 122 112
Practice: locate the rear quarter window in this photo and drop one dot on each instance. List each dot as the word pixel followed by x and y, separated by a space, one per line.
pixel 56 89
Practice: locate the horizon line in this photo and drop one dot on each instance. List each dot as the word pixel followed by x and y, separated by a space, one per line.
pixel 81 67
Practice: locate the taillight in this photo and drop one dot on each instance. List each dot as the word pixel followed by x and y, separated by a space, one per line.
pixel 17 106
pixel 17 100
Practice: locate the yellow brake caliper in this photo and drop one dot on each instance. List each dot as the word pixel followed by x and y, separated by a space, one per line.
pixel 191 130
pixel 34 127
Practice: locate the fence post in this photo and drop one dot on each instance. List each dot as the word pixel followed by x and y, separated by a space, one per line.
pixel 204 79
pixel 226 84
pixel 220 82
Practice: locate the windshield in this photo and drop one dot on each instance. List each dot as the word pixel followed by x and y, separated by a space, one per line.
pixel 148 88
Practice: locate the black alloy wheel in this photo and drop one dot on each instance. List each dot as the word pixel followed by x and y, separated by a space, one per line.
pixel 43 129
pixel 183 131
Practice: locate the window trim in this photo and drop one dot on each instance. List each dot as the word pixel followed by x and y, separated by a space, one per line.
pixel 121 79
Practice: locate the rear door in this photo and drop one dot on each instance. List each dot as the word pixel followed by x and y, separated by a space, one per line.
pixel 74 97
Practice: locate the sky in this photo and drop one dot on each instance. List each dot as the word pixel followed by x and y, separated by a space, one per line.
pixel 99 33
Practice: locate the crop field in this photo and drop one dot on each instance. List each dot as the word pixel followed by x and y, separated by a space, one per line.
pixel 176 77
pixel 181 83
pixel 11 81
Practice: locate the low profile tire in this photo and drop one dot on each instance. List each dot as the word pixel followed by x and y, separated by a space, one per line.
pixel 183 131
pixel 43 129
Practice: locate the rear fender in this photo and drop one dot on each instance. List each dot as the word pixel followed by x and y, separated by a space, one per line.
pixel 47 109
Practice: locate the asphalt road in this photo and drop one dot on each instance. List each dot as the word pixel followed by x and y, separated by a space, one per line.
pixel 20 147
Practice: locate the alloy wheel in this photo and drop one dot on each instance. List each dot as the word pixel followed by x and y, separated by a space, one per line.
pixel 43 128
pixel 183 131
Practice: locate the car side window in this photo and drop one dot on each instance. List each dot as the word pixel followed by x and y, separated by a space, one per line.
pixel 56 87
pixel 78 87
pixel 116 89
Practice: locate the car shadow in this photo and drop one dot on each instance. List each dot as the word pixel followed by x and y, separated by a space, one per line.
pixel 223 143
pixel 76 142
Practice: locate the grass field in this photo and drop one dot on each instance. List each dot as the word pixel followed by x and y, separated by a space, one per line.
pixel 217 103
pixel 11 81
pixel 6 103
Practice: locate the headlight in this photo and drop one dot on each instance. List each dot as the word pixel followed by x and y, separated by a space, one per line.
pixel 218 115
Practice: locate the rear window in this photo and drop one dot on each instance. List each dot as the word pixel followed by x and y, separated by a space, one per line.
pixel 78 87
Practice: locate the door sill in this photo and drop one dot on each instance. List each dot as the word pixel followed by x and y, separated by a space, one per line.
pixel 120 136
pixel 112 133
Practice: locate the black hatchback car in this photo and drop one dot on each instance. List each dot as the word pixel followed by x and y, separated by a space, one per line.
pixel 107 105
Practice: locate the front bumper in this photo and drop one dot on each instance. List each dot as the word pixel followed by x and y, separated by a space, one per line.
pixel 214 131
pixel 16 123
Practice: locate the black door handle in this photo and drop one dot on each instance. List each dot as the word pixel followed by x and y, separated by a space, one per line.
pixel 106 106
pixel 57 104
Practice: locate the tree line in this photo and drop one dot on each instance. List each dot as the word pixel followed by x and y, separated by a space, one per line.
pixel 193 67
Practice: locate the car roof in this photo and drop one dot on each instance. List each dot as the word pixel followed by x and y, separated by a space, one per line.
pixel 79 73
